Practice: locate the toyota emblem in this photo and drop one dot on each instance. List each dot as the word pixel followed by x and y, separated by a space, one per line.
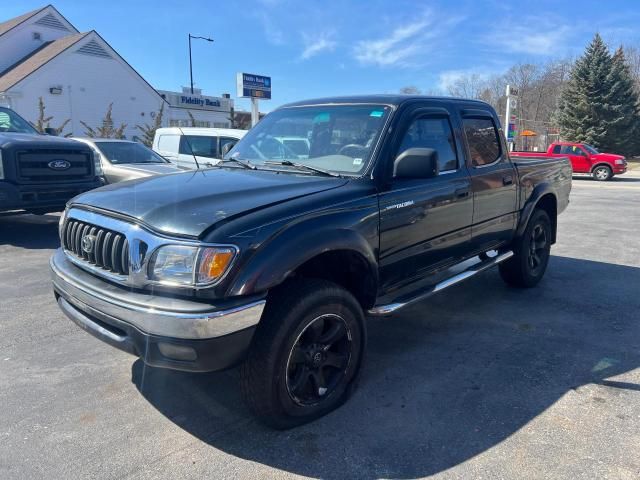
pixel 87 243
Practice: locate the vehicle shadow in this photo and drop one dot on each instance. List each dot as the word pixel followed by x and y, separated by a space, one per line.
pixel 615 179
pixel 443 382
pixel 30 231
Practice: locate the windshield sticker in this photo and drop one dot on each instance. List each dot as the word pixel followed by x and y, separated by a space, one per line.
pixel 322 117
pixel 376 113
pixel 357 161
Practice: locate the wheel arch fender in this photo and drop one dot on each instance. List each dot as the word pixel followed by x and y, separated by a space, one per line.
pixel 277 259
pixel 543 196
pixel 601 164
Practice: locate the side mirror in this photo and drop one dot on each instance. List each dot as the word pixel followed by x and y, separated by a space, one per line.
pixel 51 131
pixel 416 163
pixel 226 148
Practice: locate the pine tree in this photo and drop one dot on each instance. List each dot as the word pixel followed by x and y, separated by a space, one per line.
pixel 149 131
pixel 625 123
pixel 598 105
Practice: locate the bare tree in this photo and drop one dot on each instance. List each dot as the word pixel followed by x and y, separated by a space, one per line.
pixel 467 86
pixel 106 129
pixel 43 122
pixel 149 130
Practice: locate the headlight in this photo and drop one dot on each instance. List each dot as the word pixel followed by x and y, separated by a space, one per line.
pixel 190 265
pixel 1 167
pixel 620 161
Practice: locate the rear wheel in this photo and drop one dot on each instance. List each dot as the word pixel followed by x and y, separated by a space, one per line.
pixel 531 253
pixel 602 173
pixel 306 355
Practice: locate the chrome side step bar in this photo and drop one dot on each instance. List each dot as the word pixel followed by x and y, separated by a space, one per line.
pixel 468 273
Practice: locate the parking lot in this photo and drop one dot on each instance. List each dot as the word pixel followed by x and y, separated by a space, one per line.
pixel 482 381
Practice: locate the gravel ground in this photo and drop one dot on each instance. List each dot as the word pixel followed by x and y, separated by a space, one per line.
pixel 482 381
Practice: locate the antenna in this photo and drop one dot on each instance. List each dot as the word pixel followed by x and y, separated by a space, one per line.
pixel 190 149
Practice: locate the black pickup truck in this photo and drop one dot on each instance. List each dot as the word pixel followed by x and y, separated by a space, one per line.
pixel 274 258
pixel 40 173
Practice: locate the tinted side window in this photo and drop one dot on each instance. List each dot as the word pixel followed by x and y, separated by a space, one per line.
pixel 199 145
pixel 571 150
pixel 435 133
pixel 556 148
pixel 482 136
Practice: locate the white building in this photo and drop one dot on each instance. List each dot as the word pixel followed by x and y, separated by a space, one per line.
pixel 78 75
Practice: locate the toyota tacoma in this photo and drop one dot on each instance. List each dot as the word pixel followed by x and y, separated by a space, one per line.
pixel 274 258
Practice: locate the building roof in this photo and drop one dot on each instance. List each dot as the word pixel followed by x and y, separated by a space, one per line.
pixel 14 22
pixel 37 59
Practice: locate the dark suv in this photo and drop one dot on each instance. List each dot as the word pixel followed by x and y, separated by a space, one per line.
pixel 40 173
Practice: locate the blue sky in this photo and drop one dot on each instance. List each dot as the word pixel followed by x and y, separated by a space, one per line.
pixel 320 48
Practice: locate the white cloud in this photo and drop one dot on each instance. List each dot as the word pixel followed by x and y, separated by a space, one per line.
pixel 405 43
pixel 274 35
pixel 524 39
pixel 449 78
pixel 397 48
pixel 313 45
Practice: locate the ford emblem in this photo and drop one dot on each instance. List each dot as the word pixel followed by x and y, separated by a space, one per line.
pixel 59 164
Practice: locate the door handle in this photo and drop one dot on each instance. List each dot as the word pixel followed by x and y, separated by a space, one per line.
pixel 462 192
pixel 507 180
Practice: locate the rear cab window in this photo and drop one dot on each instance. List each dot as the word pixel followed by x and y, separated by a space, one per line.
pixel 483 141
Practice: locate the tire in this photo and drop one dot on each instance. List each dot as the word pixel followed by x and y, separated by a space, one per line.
pixel 602 173
pixel 529 262
pixel 306 354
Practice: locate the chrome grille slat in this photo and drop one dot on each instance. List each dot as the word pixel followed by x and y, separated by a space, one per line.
pixel 110 249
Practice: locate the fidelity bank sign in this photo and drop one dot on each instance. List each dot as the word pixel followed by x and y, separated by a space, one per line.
pixel 201 102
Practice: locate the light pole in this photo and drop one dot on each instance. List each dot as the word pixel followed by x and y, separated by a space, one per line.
pixel 190 63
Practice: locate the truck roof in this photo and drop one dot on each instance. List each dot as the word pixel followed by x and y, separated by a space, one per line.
pixel 386 99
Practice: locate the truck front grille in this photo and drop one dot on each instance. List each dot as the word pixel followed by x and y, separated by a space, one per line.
pixel 97 246
pixel 34 165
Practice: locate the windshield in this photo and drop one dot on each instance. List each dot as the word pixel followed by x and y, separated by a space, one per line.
pixel 335 138
pixel 10 121
pixel 125 152
pixel 590 149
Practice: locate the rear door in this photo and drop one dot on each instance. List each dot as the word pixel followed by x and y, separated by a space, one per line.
pixel 493 179
pixel 425 223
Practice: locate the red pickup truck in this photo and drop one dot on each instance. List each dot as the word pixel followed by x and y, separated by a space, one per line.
pixel 584 159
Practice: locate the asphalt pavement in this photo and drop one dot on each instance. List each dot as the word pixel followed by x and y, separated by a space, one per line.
pixel 481 381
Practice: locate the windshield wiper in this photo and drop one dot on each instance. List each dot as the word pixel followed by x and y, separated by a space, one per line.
pixel 239 161
pixel 289 163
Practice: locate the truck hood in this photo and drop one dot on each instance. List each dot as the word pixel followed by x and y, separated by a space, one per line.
pixel 8 139
pixel 189 203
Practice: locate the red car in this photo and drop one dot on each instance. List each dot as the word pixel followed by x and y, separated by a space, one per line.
pixel 584 159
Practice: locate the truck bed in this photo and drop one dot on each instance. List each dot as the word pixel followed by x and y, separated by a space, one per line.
pixel 539 169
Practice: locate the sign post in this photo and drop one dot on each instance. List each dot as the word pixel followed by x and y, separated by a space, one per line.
pixel 511 92
pixel 254 87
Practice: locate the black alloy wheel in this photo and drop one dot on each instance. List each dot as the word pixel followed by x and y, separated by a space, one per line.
pixel 319 359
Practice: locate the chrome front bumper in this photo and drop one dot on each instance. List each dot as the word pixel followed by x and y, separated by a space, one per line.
pixel 164 332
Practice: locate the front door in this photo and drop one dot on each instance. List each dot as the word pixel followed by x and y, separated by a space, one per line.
pixel 578 158
pixel 424 223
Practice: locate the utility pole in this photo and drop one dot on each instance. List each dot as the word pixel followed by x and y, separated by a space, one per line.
pixel 190 62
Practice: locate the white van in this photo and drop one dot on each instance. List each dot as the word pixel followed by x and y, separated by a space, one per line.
pixel 179 145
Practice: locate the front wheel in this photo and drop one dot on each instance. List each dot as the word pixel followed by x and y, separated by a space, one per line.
pixel 306 353
pixel 531 253
pixel 602 173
